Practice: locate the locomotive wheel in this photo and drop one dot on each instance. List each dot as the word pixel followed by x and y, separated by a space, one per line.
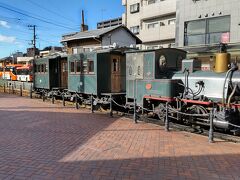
pixel 194 109
pixel 161 111
pixel 104 107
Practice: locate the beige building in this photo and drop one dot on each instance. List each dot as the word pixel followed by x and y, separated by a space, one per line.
pixel 153 21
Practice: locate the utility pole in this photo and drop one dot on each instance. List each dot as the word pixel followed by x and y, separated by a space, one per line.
pixel 33 27
pixel 34 39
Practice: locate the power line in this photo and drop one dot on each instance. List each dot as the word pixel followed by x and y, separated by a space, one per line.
pixel 32 14
pixel 49 10
pixel 33 17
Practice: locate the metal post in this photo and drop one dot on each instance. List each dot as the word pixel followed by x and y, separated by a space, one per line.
pixel 12 89
pixel 134 111
pixel 134 101
pixel 211 135
pixel 178 110
pixel 111 108
pixel 52 97
pixel 9 89
pixel 76 102
pixel 63 99
pixel 43 96
pixel 20 90
pixel 31 91
pixel 166 120
pixel 92 111
pixel 4 87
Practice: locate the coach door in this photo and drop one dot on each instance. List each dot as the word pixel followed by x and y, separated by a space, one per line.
pixel 116 74
pixel 64 73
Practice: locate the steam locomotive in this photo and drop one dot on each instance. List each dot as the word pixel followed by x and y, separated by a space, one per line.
pixel 148 80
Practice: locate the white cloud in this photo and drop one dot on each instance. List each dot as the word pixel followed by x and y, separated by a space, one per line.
pixel 4 24
pixel 7 39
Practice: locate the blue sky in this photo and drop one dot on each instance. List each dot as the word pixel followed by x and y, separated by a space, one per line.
pixel 60 17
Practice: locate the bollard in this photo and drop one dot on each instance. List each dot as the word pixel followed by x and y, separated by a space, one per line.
pixel 43 96
pixel 21 90
pixel 9 89
pixel 63 100
pixel 31 91
pixel 134 111
pixel 52 97
pixel 4 87
pixel 12 89
pixel 211 135
pixel 76 102
pixel 111 108
pixel 166 120
pixel 92 111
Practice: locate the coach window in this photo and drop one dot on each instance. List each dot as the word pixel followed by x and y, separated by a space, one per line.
pixel 72 70
pixel 116 67
pixel 78 67
pixel 85 67
pixel 43 68
pixel 40 68
pixel 90 67
pixel 46 68
pixel 36 68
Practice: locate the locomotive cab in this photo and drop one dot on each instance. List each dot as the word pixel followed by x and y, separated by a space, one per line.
pixel 149 73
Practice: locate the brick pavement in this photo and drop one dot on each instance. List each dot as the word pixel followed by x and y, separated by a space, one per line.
pixel 43 141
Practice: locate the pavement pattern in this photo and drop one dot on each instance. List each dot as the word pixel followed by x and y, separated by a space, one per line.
pixel 40 140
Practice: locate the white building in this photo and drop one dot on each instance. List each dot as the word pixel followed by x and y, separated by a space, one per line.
pixel 153 21
pixel 207 22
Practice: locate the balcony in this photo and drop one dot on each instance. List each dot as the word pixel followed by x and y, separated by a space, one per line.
pixel 158 9
pixel 158 34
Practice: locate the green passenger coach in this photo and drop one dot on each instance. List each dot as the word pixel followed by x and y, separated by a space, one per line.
pixel 97 72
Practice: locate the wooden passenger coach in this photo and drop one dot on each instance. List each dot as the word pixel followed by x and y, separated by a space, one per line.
pixel 97 72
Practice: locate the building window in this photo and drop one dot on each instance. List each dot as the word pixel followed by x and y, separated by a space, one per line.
pixel 152 25
pixel 162 24
pixel 171 21
pixel 75 50
pixel 135 29
pixel 152 47
pixel 154 1
pixel 207 31
pixel 134 8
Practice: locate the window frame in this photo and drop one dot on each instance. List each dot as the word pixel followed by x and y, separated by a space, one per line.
pixel 132 8
pixel 132 29
pixel 70 66
pixel 207 34
pixel 88 68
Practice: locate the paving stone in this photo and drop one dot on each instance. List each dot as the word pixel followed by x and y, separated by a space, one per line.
pixel 40 140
